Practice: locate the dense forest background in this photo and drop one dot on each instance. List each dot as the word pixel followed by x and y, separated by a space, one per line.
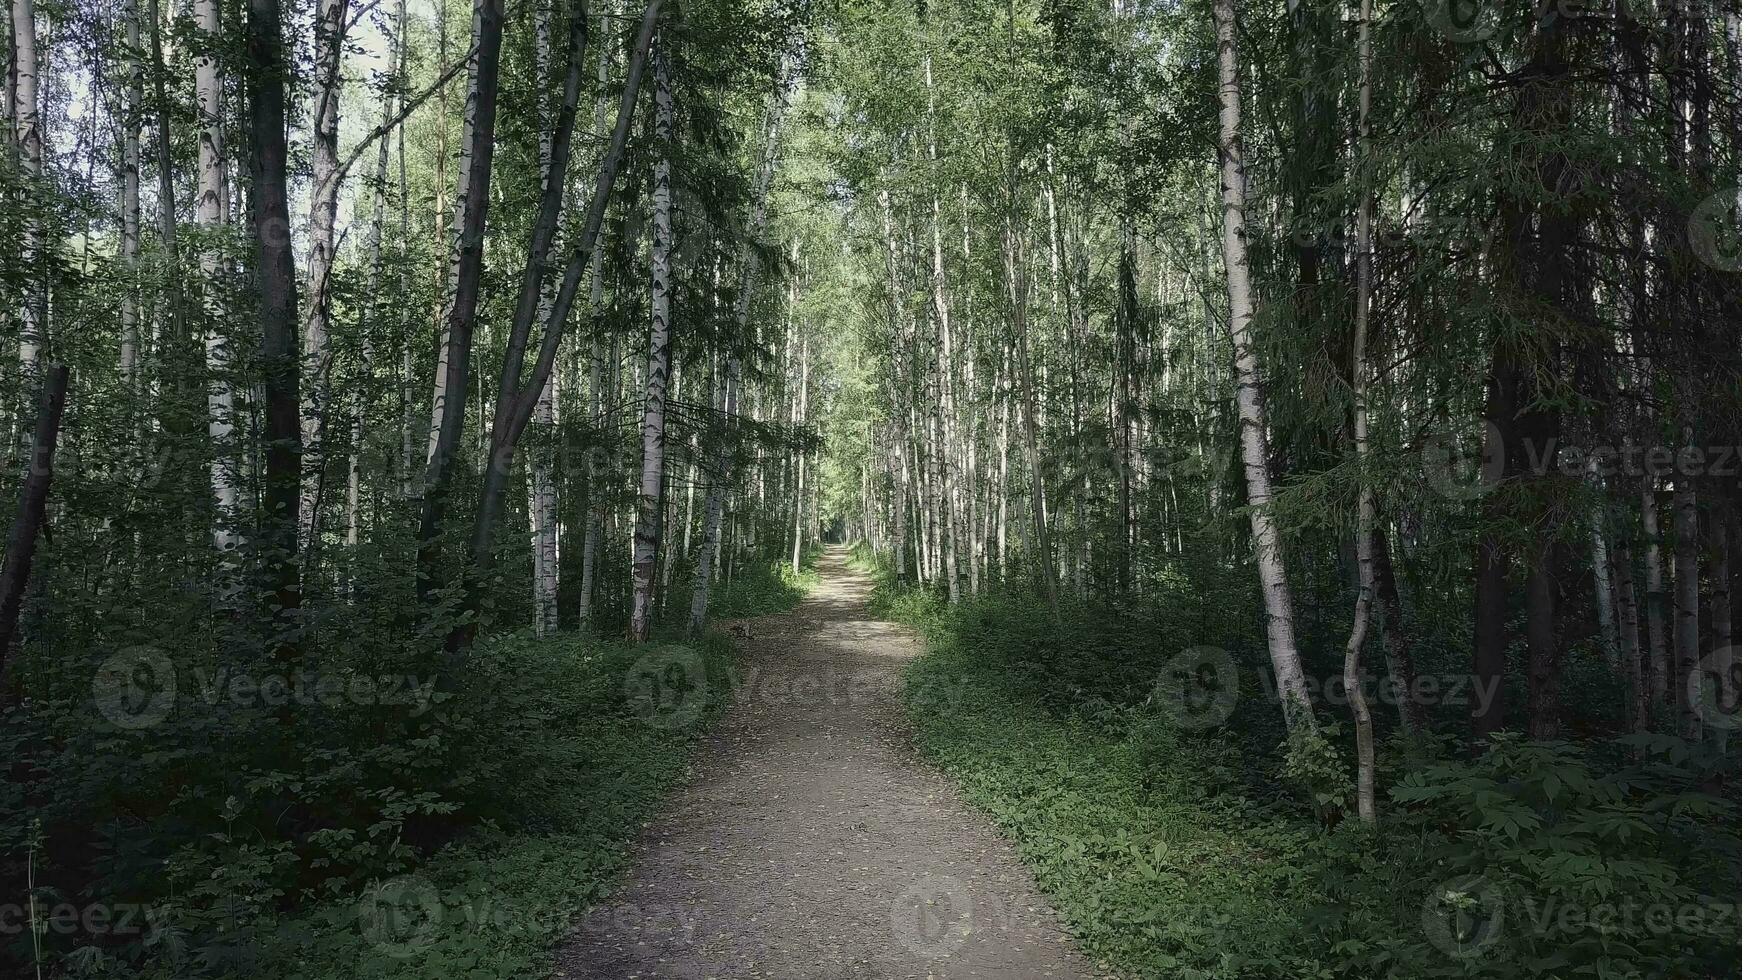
pixel 1315 426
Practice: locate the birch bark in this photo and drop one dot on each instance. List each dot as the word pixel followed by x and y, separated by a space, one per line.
pixel 648 515
pixel 1249 395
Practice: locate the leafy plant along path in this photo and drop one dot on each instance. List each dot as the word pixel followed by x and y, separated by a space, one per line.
pixel 812 842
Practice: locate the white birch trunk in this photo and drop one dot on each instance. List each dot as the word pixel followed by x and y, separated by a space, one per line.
pixel 132 112
pixel 329 46
pixel 1365 804
pixel 211 214
pixel 463 204
pixel 800 416
pixel 542 502
pixel 26 111
pixel 1254 443
pixel 648 516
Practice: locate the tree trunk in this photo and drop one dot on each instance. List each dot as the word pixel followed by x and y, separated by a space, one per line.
pixel 648 515
pixel 800 416
pixel 1365 805
pixel 32 507
pixel 1255 448
pixel 132 112
pixel 329 46
pixel 477 149
pixel 515 402
pixel 279 358
pixel 1016 280
pixel 26 113
pixel 1687 608
pixel 1656 597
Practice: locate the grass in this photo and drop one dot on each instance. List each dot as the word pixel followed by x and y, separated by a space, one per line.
pixel 515 806
pixel 494 903
pixel 764 588
pixel 1153 871
pixel 1206 855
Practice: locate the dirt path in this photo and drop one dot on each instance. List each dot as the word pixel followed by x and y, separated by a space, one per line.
pixel 812 843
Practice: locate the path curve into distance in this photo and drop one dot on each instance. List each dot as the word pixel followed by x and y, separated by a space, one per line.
pixel 812 843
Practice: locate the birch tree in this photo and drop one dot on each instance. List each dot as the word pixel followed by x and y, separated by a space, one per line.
pixel 1254 442
pixel 650 501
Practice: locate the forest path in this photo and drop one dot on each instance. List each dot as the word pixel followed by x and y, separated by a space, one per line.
pixel 812 842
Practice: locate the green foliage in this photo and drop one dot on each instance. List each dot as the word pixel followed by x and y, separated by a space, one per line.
pixel 259 842
pixel 1312 762
pixel 763 588
pixel 1174 852
pixel 1555 859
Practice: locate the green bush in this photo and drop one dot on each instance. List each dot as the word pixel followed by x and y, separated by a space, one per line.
pixel 259 839
pixel 1205 853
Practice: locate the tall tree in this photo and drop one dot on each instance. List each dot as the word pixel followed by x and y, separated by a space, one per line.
pixel 1249 384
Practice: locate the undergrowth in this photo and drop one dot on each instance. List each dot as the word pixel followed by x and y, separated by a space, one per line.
pixel 175 823
pixel 1176 851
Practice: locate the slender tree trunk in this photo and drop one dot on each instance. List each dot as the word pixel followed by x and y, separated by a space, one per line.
pixel 647 522
pixel 1656 597
pixel 1365 804
pixel 1400 662
pixel 477 149
pixel 1255 448
pixel 211 215
pixel 329 46
pixel 26 111
pixel 280 362
pixel 541 489
pixel 1632 655
pixel 801 416
pixel 132 114
pixel 516 402
pixel 1016 279
pixel 32 507
pixel 1687 607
